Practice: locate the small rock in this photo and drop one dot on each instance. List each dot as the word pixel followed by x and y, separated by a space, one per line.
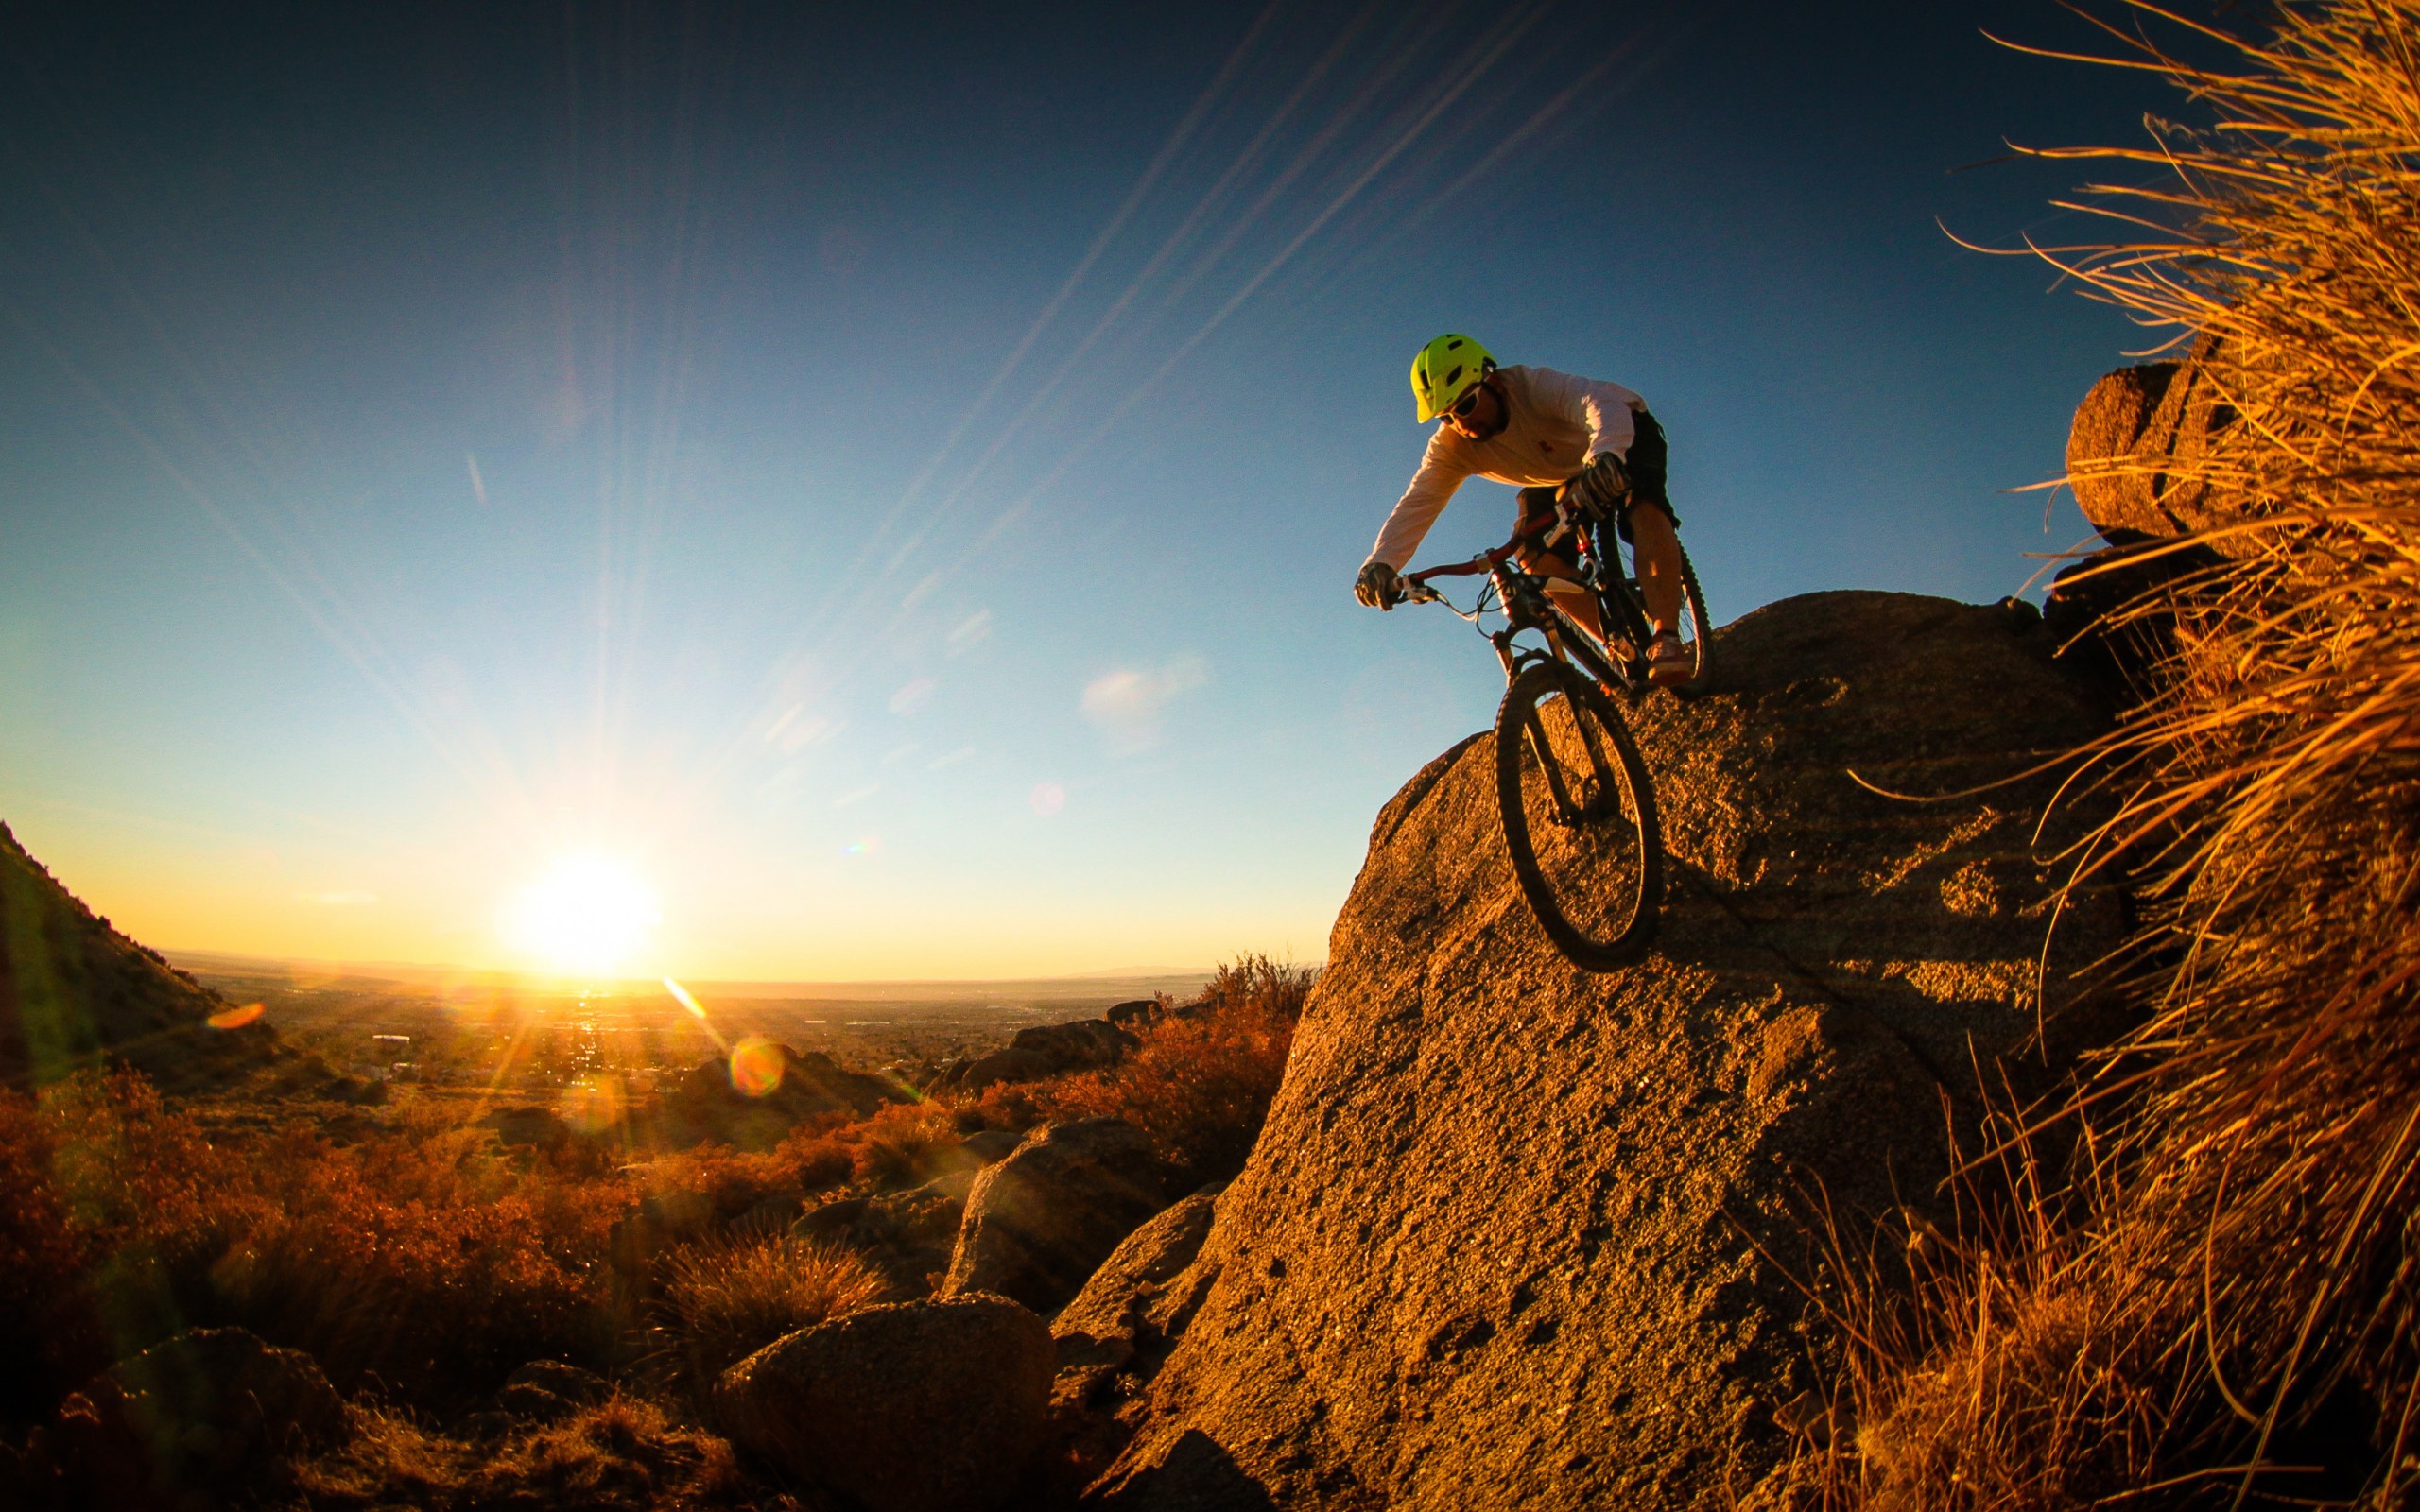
pixel 929 1406
pixel 569 1381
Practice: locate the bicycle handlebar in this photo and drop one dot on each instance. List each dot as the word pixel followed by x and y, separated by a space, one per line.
pixel 1485 561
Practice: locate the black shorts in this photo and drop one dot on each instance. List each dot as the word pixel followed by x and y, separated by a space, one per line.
pixel 1643 462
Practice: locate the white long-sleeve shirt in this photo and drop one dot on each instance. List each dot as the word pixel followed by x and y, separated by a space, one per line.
pixel 1555 424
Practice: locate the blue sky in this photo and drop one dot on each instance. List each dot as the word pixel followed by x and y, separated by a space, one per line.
pixel 890 478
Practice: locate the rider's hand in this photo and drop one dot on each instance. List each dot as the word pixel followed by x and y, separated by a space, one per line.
pixel 1601 485
pixel 1378 586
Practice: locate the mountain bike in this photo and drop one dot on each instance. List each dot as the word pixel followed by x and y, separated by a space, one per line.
pixel 1573 795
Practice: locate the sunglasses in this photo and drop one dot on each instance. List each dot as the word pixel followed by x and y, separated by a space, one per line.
pixel 1465 407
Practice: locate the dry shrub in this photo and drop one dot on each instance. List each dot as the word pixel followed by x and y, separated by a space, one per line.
pixel 725 1299
pixel 112 1208
pixel 2243 1252
pixel 697 1189
pixel 1200 1082
pixel 2015 1362
pixel 1010 1105
pixel 903 1144
pixel 425 1259
pixel 438 1294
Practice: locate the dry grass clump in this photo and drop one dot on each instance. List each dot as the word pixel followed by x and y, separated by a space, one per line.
pixel 2242 1256
pixel 1200 1082
pixel 621 1455
pixel 727 1297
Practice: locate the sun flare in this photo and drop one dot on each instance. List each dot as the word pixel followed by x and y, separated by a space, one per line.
pixel 586 915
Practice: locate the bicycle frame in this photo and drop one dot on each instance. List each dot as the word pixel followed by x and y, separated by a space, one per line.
pixel 1523 597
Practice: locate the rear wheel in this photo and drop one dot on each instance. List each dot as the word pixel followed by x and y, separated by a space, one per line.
pixel 1579 816
pixel 1696 631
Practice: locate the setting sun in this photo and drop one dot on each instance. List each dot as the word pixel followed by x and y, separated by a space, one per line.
pixel 587 915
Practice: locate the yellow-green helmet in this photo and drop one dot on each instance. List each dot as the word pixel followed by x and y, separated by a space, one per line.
pixel 1445 370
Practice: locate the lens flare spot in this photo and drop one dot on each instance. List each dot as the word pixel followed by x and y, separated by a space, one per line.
pixel 865 847
pixel 1048 798
pixel 235 1018
pixel 591 1107
pixel 755 1067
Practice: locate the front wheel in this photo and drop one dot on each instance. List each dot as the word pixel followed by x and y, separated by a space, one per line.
pixel 1579 816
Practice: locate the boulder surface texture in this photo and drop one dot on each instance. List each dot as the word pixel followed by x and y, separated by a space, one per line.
pixel 1038 1223
pixel 1493 1246
pixel 2136 446
pixel 932 1406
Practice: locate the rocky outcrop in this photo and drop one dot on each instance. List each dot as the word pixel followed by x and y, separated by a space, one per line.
pixel 1043 1051
pixel 1510 1236
pixel 2133 447
pixel 1038 1223
pixel 75 992
pixel 208 1417
pixel 911 1407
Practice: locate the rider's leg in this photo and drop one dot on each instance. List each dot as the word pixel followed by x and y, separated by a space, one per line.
pixel 1647 524
pixel 1573 599
pixel 1537 518
pixel 1657 554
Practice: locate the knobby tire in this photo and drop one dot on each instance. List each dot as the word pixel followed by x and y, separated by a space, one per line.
pixel 1700 637
pixel 1579 816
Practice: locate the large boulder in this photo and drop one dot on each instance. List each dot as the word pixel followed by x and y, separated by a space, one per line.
pixel 1509 1236
pixel 934 1406
pixel 1038 1223
pixel 2135 445
pixel 210 1417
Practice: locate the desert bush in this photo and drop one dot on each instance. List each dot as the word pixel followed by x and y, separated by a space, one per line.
pixel 2246 1249
pixel 725 1299
pixel 434 1266
pixel 697 1189
pixel 902 1144
pixel 112 1208
pixel 1200 1084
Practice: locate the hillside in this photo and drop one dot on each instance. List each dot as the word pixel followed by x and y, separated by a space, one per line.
pixel 75 992
pixel 1516 1225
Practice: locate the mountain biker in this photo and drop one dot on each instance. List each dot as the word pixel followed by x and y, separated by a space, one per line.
pixel 1578 443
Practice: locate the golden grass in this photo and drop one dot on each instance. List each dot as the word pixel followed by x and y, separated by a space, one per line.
pixel 726 1297
pixel 2237 1246
pixel 621 1455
